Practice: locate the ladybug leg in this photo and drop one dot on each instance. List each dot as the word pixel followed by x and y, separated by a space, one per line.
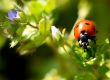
pixel 93 38
pixel 94 47
pixel 83 44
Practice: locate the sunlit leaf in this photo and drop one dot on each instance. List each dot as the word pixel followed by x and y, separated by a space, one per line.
pixel 42 26
pixel 39 40
pixel 36 8
pixel 4 3
pixel 50 6
pixel 26 48
pixel 108 74
pixel 29 32
pixel 53 74
pixel 45 25
pixel 20 30
pixel 107 41
pixel 13 43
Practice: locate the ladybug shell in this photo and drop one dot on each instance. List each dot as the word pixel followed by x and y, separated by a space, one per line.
pixel 84 25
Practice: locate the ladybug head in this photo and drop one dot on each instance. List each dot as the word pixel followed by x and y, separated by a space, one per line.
pixel 83 41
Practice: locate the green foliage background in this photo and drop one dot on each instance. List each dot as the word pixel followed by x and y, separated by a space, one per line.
pixel 57 57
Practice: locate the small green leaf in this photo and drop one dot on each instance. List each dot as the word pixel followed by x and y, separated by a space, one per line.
pixel 39 40
pixel 13 43
pixel 108 74
pixel 36 8
pixel 20 30
pixel 42 26
pixel 85 76
pixel 51 5
pixel 6 24
pixel 26 48
pixel 29 32
pixel 10 3
pixel 91 61
pixel 107 41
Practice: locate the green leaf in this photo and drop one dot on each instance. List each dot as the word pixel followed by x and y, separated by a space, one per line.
pixel 2 40
pixel 44 25
pixel 107 41
pixel 3 4
pixel 29 32
pixel 20 30
pixel 103 69
pixel 85 76
pixel 36 8
pixel 39 40
pixel 51 5
pixel 6 24
pixel 27 47
pixel 13 43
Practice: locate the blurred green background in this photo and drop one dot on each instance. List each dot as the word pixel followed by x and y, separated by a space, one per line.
pixel 45 62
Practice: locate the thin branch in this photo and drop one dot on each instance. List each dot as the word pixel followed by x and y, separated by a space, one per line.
pixel 32 25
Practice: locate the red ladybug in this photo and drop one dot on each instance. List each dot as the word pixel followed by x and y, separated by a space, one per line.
pixel 84 30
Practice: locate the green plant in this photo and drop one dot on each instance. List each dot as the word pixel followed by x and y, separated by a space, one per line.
pixel 31 24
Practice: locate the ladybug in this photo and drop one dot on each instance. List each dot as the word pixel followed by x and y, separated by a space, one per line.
pixel 84 30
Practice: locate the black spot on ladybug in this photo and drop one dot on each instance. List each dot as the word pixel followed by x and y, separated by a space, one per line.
pixel 87 23
pixel 76 25
pixel 93 29
pixel 83 31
